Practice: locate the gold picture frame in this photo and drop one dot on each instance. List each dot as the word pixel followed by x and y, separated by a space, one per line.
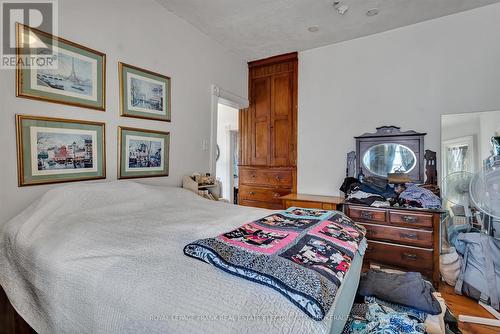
pixel 125 171
pixel 151 113
pixel 26 157
pixel 54 93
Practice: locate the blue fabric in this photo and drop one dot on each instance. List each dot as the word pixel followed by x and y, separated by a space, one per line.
pixel 412 312
pixel 388 192
pixel 384 320
pixel 426 198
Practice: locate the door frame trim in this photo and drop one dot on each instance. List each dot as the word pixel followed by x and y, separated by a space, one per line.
pixel 219 95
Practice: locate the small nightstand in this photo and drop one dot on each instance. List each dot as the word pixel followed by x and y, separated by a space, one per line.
pixel 312 201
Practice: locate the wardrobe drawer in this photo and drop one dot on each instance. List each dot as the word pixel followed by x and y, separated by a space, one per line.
pixel 402 256
pixel 410 219
pixel 406 236
pixel 366 214
pixel 266 177
pixel 263 194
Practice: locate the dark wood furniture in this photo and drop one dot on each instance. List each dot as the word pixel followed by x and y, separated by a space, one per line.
pixel 10 321
pixel 401 238
pixel 312 201
pixel 268 133
pixel 393 135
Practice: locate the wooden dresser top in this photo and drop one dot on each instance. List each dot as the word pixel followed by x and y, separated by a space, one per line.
pixel 313 198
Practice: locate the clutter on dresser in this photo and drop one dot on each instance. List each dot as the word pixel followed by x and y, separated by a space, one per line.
pixel 205 186
pixel 390 171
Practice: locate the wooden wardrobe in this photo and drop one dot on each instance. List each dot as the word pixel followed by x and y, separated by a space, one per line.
pixel 268 133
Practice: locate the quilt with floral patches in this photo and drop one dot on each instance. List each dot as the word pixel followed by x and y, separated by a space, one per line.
pixel 302 253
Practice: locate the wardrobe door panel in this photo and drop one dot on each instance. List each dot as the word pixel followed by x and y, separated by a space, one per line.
pixel 281 119
pixel 260 119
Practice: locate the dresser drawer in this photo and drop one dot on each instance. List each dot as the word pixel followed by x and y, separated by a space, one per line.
pixel 412 258
pixel 262 194
pixel 406 236
pixel 366 214
pixel 266 177
pixel 410 219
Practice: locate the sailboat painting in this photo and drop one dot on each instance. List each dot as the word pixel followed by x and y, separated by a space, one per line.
pixel 77 76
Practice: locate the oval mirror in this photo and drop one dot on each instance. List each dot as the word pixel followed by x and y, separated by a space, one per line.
pixel 387 158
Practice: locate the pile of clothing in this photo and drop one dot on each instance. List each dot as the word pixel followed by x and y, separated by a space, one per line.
pixel 399 303
pixel 379 192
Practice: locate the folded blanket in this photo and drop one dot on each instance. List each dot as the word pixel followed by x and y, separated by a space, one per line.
pixel 302 253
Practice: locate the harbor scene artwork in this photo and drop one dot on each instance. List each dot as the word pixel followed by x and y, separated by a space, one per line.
pixel 54 150
pixel 142 153
pixel 63 150
pixel 74 76
pixel 145 153
pixel 146 95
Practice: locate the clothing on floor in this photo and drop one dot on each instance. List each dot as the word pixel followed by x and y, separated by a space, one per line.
pixel 450 265
pixel 408 289
pixel 380 319
pixel 434 324
pixel 411 312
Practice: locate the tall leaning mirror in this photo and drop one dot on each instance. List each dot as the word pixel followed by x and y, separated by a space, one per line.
pixel 470 169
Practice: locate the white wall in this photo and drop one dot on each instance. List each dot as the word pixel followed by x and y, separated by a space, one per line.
pixel 227 120
pixel 144 34
pixel 406 77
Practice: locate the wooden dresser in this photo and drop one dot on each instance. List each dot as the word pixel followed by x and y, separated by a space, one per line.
pixel 268 133
pixel 401 238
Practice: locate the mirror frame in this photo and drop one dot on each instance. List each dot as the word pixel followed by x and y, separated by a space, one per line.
pixel 393 135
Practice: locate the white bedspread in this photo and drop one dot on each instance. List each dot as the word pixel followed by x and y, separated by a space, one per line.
pixel 107 258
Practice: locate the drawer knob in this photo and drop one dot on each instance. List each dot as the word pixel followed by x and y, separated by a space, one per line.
pixel 251 193
pixel 366 215
pixel 252 175
pixel 409 219
pixel 410 256
pixel 276 195
pixel 277 178
pixel 412 236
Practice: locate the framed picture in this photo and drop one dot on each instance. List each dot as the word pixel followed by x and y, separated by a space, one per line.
pixel 144 94
pixel 53 150
pixel 142 153
pixel 77 78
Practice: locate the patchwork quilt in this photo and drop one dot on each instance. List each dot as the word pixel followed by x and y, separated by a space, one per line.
pixel 302 253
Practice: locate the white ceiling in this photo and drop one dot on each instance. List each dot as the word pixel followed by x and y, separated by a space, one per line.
pixel 260 28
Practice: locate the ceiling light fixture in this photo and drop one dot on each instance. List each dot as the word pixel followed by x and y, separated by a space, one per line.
pixel 340 7
pixel 372 12
pixel 313 28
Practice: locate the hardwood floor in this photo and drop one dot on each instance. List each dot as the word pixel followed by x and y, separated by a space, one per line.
pixel 466 306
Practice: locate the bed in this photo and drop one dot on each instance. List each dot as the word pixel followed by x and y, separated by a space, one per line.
pixel 108 258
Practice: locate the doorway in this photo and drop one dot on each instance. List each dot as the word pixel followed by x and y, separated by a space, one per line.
pixel 226 169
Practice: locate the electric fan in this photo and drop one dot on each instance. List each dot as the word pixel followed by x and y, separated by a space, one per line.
pixel 485 193
pixel 456 191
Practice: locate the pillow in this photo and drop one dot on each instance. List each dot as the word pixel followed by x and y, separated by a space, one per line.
pixel 408 289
